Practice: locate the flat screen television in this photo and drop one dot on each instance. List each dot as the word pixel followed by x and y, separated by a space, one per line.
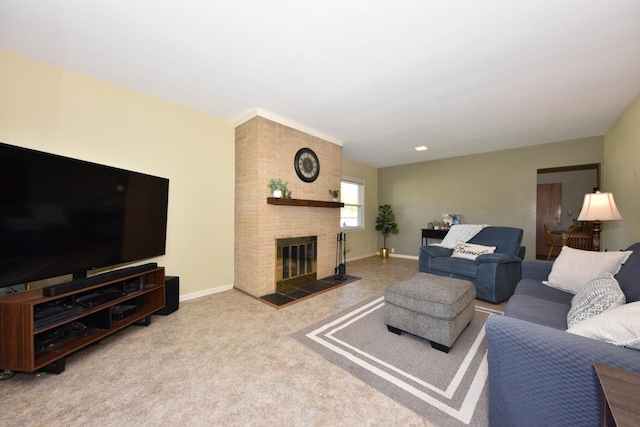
pixel 61 216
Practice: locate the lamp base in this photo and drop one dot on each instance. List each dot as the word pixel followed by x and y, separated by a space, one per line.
pixel 595 236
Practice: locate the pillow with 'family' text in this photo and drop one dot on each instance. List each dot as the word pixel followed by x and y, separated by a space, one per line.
pixel 575 267
pixel 471 251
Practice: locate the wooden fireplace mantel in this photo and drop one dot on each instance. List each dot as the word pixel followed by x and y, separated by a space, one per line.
pixel 281 201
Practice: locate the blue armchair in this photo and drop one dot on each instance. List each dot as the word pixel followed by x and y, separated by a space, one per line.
pixel 494 275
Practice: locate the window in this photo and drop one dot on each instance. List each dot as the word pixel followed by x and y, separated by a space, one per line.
pixel 352 195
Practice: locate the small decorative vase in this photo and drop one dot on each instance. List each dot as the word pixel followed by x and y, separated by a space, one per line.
pixel 335 200
pixel 384 253
pixel 277 193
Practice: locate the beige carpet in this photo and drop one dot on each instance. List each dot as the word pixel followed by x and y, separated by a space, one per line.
pixel 226 359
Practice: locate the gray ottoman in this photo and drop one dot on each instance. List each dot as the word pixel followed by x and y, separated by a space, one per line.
pixel 435 308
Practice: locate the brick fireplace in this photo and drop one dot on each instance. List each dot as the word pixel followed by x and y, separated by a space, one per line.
pixel 265 149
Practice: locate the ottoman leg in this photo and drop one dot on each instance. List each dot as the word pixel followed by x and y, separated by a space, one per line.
pixel 394 330
pixel 440 347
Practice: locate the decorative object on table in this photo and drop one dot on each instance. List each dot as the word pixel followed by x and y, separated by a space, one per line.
pixel 456 219
pixel 335 195
pixel 307 165
pixel 278 187
pixel 598 207
pixel 435 224
pixel 385 224
pixel 447 220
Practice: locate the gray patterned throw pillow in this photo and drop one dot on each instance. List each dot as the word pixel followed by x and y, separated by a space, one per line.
pixel 595 297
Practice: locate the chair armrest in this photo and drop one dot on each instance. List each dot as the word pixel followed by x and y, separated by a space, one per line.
pixel 497 258
pixel 540 376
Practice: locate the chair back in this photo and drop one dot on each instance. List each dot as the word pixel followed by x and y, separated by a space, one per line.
pixel 506 239
pixel 549 236
pixel 579 237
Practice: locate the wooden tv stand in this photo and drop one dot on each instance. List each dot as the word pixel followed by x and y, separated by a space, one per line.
pixel 28 344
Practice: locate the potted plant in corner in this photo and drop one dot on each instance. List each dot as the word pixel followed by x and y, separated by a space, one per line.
pixel 278 187
pixel 385 224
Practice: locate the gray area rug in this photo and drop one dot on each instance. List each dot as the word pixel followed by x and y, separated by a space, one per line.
pixel 445 389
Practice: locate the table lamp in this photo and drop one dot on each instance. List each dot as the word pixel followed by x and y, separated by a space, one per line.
pixel 598 207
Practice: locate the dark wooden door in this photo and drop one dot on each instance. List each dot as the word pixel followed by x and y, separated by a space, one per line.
pixel 548 211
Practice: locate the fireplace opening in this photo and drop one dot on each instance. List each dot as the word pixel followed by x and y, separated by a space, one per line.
pixel 296 262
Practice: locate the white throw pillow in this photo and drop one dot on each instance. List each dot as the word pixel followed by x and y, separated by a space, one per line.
pixel 575 267
pixel 596 296
pixel 471 251
pixel 619 326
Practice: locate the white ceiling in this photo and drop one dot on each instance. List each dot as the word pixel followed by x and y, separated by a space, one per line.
pixel 461 77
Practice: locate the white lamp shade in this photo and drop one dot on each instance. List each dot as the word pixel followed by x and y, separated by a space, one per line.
pixel 599 207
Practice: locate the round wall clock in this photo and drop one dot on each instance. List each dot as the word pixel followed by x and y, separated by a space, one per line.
pixel 307 165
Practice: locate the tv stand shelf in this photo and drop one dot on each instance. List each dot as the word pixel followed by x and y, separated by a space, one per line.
pixel 27 348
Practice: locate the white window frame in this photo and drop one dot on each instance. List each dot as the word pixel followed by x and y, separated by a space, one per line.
pixel 360 205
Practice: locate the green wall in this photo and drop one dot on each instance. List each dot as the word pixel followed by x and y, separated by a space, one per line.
pixel 496 188
pixel 622 177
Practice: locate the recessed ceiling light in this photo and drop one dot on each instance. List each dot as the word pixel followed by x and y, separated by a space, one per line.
pixel 421 148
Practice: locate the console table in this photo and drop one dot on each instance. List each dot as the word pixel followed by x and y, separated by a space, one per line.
pixel 431 233
pixel 621 405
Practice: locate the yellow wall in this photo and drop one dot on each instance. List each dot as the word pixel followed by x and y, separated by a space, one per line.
pixel 363 243
pixel 496 188
pixel 54 110
pixel 622 177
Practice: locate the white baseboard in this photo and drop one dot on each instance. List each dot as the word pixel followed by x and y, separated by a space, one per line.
pixel 400 256
pixel 194 295
pixel 404 256
pixel 361 257
pixel 198 294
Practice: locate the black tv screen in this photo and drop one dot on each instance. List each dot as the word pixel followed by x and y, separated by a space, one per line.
pixel 64 216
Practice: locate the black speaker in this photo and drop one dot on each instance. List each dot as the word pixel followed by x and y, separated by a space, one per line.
pixel 171 295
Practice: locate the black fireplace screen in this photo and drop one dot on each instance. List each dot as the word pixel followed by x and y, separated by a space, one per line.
pixel 296 262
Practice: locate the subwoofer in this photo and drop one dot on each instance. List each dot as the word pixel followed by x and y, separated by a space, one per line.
pixel 171 295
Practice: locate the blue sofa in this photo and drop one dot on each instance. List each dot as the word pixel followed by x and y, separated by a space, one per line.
pixel 494 275
pixel 541 375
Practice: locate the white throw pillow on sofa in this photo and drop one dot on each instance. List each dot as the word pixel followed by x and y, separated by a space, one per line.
pixel 598 295
pixel 619 326
pixel 471 251
pixel 575 267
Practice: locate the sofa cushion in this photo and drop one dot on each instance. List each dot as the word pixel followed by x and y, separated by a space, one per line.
pixel 458 267
pixel 538 310
pixel 596 296
pixel 535 288
pixel 618 326
pixel 471 251
pixel 574 267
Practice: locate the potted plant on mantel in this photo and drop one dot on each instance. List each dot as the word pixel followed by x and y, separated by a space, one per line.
pixel 335 195
pixel 278 187
pixel 385 224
